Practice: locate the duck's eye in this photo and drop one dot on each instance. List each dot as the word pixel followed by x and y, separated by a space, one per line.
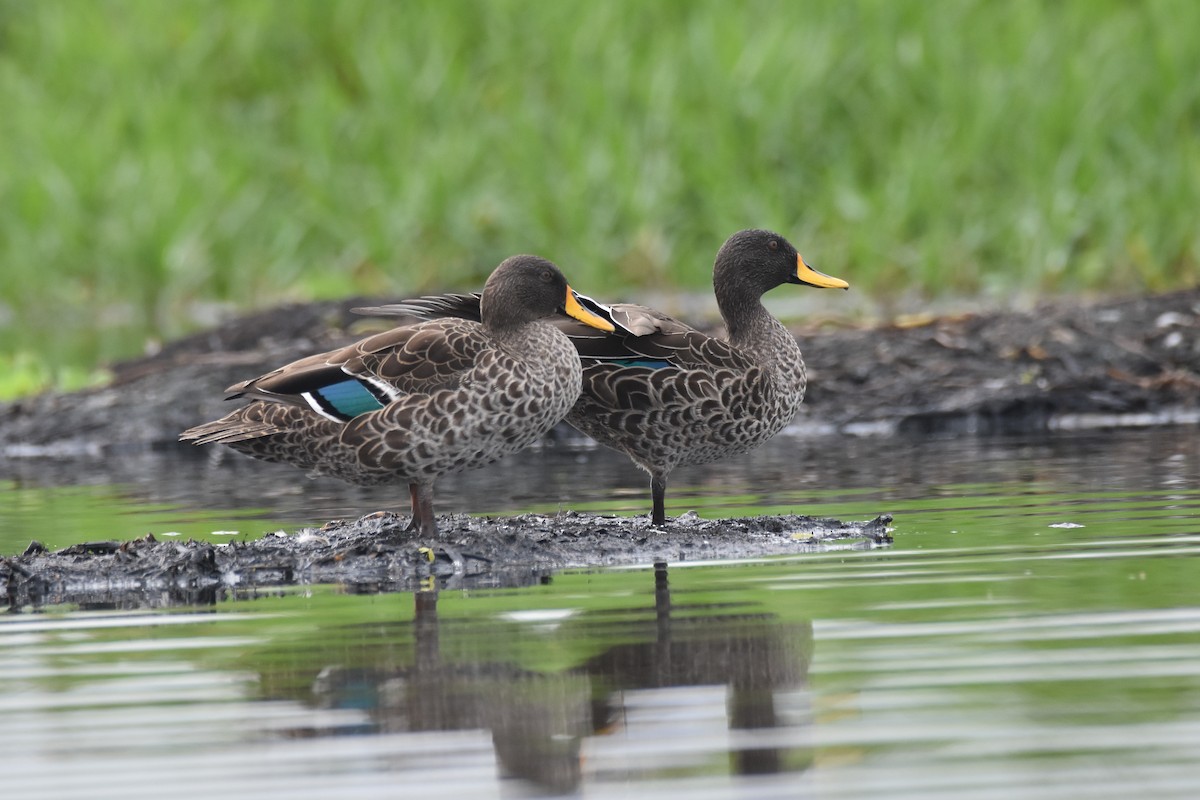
pixel 773 244
pixel 546 276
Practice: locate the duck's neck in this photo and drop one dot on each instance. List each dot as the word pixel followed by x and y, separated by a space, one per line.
pixel 497 318
pixel 740 303
pixel 524 340
pixel 753 331
pixel 742 315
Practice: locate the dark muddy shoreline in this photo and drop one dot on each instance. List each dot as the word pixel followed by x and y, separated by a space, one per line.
pixel 1062 366
pixel 375 553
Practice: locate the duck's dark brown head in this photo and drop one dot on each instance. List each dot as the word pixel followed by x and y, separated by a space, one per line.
pixel 756 261
pixel 750 264
pixel 526 288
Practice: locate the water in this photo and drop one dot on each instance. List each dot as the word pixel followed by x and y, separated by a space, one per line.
pixel 1033 632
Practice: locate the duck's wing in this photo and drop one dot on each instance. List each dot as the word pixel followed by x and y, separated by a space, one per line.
pixel 369 374
pixel 644 337
pixel 648 338
pixel 652 362
pixel 434 306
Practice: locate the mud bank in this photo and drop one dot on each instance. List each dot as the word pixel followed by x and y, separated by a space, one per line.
pixel 1128 362
pixel 1063 365
pixel 375 553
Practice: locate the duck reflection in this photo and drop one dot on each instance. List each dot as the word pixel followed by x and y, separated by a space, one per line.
pixel 552 728
pixel 752 655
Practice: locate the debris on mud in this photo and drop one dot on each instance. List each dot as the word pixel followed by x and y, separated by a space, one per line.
pixel 375 553
pixel 1064 364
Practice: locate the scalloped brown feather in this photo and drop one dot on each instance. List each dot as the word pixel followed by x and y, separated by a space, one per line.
pixel 456 393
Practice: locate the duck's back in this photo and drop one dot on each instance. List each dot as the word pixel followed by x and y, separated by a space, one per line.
pixel 452 397
pixel 678 396
pixel 511 395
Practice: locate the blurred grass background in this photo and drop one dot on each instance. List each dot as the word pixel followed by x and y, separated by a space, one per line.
pixel 164 161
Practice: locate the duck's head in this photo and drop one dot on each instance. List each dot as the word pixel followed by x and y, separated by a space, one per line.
pixel 527 288
pixel 756 261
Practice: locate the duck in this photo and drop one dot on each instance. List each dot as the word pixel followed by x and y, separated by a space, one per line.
pixel 421 400
pixel 666 394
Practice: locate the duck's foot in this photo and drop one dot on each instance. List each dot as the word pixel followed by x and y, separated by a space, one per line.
pixel 658 498
pixel 442 555
pixel 443 560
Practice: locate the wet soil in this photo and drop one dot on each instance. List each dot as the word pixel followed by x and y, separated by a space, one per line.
pixel 375 553
pixel 1063 365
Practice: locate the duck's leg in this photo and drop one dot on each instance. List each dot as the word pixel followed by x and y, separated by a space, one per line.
pixel 423 506
pixel 658 495
pixel 415 522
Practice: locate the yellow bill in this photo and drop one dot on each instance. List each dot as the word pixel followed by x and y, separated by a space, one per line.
pixel 807 275
pixel 575 310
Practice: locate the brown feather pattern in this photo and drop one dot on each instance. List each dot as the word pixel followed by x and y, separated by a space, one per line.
pixel 713 398
pixel 460 394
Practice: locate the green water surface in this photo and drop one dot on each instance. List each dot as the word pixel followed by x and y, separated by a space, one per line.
pixel 1032 638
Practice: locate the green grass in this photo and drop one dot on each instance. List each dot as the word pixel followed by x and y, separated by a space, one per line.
pixel 162 159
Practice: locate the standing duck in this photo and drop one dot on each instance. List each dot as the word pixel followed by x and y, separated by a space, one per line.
pixel 666 394
pixel 420 401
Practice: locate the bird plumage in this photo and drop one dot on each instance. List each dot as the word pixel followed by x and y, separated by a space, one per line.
pixel 667 394
pixel 422 400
